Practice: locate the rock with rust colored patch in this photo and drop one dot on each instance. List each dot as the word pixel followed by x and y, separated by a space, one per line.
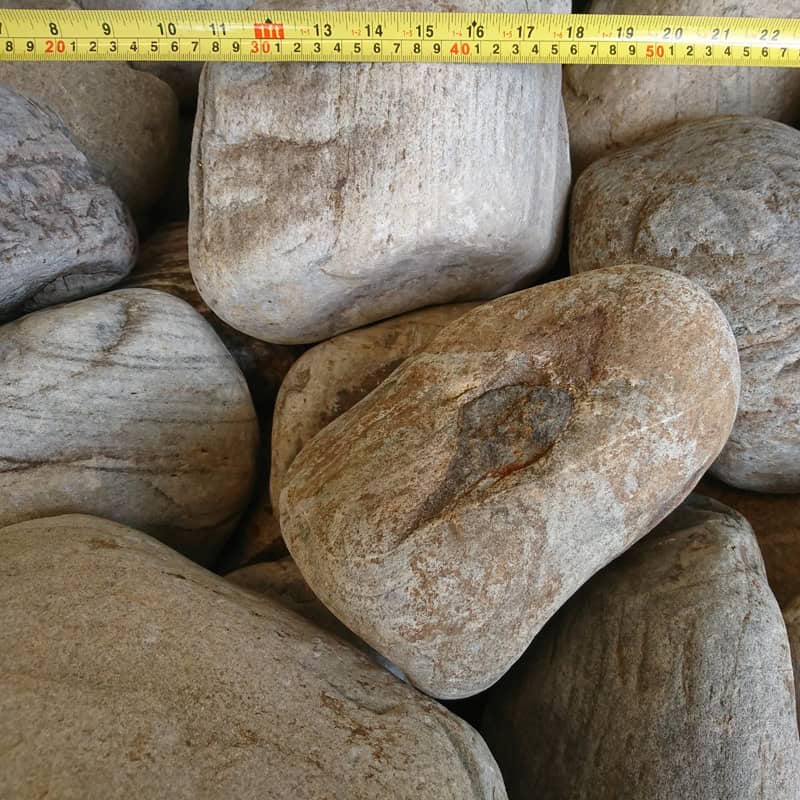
pixel 668 675
pixel 610 107
pixel 719 202
pixel 126 405
pixel 123 120
pixel 125 668
pixel 375 205
pixel 791 616
pixel 450 513
pixel 776 521
pixel 64 234
pixel 333 376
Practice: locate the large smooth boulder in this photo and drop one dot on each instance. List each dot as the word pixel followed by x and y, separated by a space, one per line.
pixel 451 512
pixel 332 377
pixel 610 107
pixel 124 121
pixel 719 202
pixel 127 671
pixel 387 189
pixel 64 234
pixel 775 519
pixel 668 675
pixel 128 406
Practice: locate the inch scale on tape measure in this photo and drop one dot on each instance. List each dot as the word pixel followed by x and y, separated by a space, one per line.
pixel 268 36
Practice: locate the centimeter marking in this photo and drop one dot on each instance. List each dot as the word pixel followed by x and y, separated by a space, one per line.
pixel 355 36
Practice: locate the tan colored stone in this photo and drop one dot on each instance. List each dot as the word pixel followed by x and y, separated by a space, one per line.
pixel 667 676
pixel 390 188
pixel 257 539
pixel 126 405
pixel 791 616
pixel 719 202
pixel 610 107
pixel 775 518
pixel 450 513
pixel 127 671
pixel 333 376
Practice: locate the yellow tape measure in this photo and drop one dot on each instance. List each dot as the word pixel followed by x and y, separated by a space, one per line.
pixel 28 35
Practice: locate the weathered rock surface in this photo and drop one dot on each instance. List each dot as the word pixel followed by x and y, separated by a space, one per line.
pixel 792 618
pixel 775 519
pixel 64 234
pixel 667 676
pixel 719 202
pixel 332 377
pixel 125 669
pixel 451 512
pixel 257 539
pixel 124 121
pixel 375 206
pixel 128 406
pixel 609 107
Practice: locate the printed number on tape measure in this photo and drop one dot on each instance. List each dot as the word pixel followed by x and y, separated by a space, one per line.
pixel 35 35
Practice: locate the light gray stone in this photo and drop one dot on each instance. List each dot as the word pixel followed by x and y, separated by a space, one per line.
pixel 609 107
pixel 125 122
pixel 667 676
pixel 128 406
pixel 451 512
pixel 332 377
pixel 64 234
pixel 719 202
pixel 390 187
pixel 127 671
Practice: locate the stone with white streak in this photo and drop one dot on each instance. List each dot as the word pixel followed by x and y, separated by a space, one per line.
pixel 127 671
pixel 719 202
pixel 667 676
pixel 126 405
pixel 388 188
pixel 451 512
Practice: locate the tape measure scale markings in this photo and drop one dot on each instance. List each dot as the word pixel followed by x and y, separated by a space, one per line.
pixel 350 36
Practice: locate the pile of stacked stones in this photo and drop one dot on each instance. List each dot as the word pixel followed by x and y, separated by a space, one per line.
pixel 342 444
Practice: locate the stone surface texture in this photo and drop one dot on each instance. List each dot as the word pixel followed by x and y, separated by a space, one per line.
pixel 609 107
pixel 775 519
pixel 667 676
pixel 791 616
pixel 332 377
pixel 64 234
pixel 393 187
pixel 719 202
pixel 257 539
pixel 126 405
pixel 451 512
pixel 125 669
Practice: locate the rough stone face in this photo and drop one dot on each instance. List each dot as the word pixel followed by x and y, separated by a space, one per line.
pixel 64 234
pixel 332 377
pixel 792 618
pixel 451 512
pixel 609 107
pixel 128 406
pixel 124 668
pixel 719 202
pixel 124 121
pixel 391 188
pixel 776 521
pixel 668 675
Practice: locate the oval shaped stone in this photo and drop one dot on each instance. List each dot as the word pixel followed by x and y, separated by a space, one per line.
pixel 668 675
pixel 125 669
pixel 719 202
pixel 126 405
pixel 450 513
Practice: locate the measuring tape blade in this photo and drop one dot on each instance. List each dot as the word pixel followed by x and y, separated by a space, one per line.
pixel 358 36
